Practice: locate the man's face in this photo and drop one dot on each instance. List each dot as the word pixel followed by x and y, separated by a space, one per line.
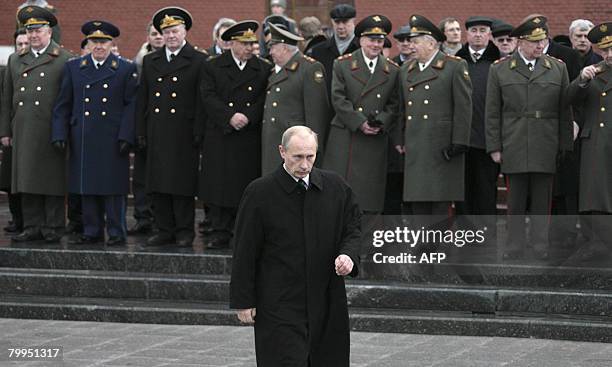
pixel 532 49
pixel 405 47
pixel 277 10
pixel 224 45
pixel 607 55
pixel 21 43
pixel 452 31
pixel 155 39
pixel 100 48
pixel 39 37
pixel 580 41
pixel 242 50
pixel 478 36
pixel 300 154
pixel 506 44
pixel 372 47
pixel 174 36
pixel 343 28
pixel 423 48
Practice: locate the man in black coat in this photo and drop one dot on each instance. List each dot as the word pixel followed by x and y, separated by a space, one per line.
pixel 234 92
pixel 297 236
pixel 169 123
pixel 480 171
pixel 341 43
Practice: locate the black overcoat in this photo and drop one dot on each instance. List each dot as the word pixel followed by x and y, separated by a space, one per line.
pixel 326 52
pixel 231 158
pixel 170 114
pixel 284 251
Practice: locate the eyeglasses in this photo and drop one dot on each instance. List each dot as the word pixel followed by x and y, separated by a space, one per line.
pixel 504 40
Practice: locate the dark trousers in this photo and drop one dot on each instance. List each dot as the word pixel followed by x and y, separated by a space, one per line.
pixel 174 215
pixel 437 208
pixel 142 201
pixel 14 201
pixel 393 193
pixel 45 213
pixel 538 188
pixel 223 219
pixel 480 184
pixel 75 209
pixel 96 208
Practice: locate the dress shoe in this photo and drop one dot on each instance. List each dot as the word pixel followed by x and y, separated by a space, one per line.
pixel 115 241
pixel 513 255
pixel 141 227
pixel 85 240
pixel 206 231
pixel 184 242
pixel 13 228
pixel 160 239
pixel 221 242
pixel 74 227
pixel 29 235
pixel 52 238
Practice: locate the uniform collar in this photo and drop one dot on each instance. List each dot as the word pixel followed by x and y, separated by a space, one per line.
pixel 41 51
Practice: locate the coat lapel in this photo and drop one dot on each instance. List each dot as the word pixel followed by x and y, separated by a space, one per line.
pixel 93 75
pixel 605 76
pixel 291 66
pixel 517 64
pixel 416 76
pixel 182 60
pixel 380 76
pixel 227 62
pixel 33 62
pixel 249 72
pixel 359 69
pixel 541 67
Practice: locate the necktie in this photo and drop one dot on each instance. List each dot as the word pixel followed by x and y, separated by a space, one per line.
pixel 172 56
pixel 303 184
pixel 98 65
pixel 371 65
pixel 530 66
pixel 476 56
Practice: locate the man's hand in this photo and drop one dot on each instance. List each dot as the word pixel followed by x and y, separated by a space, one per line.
pixel 141 142
pixel 6 141
pixel 588 72
pixel 344 265
pixel 576 130
pixel 496 157
pixel 239 121
pixel 369 130
pixel 59 145
pixel 400 149
pixel 247 316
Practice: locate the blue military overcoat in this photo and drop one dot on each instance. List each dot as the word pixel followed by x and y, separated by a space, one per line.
pixel 93 113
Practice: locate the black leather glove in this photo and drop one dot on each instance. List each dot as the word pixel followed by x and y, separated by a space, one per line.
pixel 124 147
pixel 59 145
pixel 454 150
pixel 141 142
pixel 373 121
pixel 197 140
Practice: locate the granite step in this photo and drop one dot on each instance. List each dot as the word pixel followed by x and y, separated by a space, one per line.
pixel 362 319
pixel 360 293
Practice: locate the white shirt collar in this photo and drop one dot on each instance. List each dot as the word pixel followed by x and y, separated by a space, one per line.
pixel 305 179
pixel 525 59
pixel 367 61
pixel 96 62
pixel 425 65
pixel 240 64
pixel 168 52
pixel 41 51
pixel 277 68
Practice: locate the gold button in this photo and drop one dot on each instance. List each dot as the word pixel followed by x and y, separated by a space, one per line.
pixel 378 96
pixel 22 89
pixel 360 109
pixel 409 117
pixel 86 113
pixel 411 89
pixel 231 104
pixel 88 86
pixel 103 113
pixel 250 88
pixel 157 94
pixel 426 86
pixel 268 92
pixel 409 103
pixel 426 101
pixel 278 89
pixel 603 109
pixel 25 75
pixel 104 100
pixel 274 104
pixel 603 94
pixel 425 117
pixel 157 110
pixel 159 79
pixel 272 119
pixel 36 103
pixel 42 75
pixel 248 104
pixel 173 95
pixel 601 124
pixel 21 103
pixel 174 79
pixel 105 86
pixel 86 100
pixel 172 110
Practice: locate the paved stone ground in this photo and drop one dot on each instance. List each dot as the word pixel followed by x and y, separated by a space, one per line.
pixel 88 344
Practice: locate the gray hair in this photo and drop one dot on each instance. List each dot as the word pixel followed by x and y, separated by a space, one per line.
pixel 222 23
pixel 310 27
pixel 297 130
pixel 580 24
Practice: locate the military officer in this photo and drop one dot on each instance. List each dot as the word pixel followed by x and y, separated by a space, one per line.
pixel 365 97
pixel 592 91
pixel 295 95
pixel 234 92
pixel 94 116
pixel 527 124
pixel 436 101
pixel 170 121
pixel 31 84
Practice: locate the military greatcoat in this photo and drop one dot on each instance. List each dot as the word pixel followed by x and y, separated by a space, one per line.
pixel 437 105
pixel 595 98
pixel 356 94
pixel 31 85
pixel 295 95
